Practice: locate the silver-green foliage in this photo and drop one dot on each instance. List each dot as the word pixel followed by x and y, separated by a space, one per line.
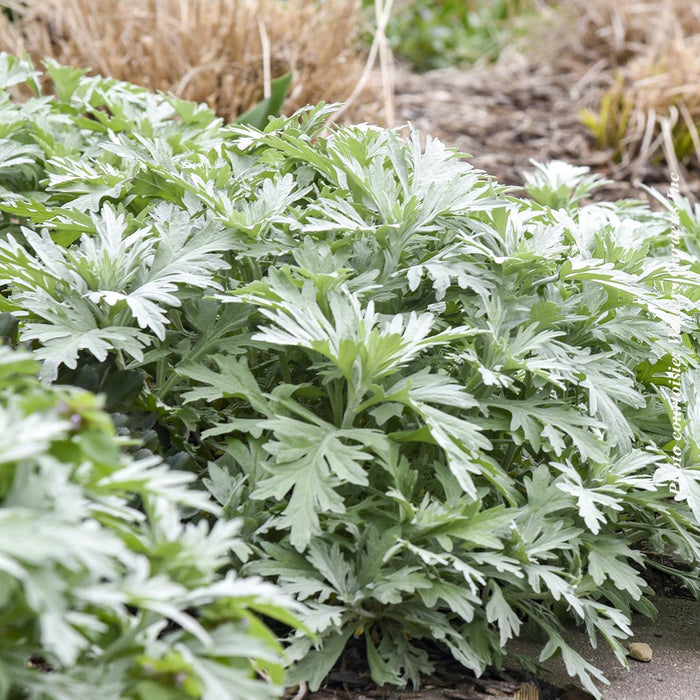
pixel 104 599
pixel 442 412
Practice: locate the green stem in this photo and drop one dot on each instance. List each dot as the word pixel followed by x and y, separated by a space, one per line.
pixel 353 404
pixel 335 395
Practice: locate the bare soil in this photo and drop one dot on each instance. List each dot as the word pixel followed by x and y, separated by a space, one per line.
pixel 449 682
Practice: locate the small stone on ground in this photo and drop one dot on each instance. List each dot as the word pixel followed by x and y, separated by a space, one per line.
pixel 640 652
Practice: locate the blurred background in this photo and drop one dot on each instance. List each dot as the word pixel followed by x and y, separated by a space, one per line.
pixel 613 84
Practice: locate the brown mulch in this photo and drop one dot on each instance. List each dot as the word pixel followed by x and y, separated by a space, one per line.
pixel 461 688
pixel 450 682
pixel 350 680
pixel 504 115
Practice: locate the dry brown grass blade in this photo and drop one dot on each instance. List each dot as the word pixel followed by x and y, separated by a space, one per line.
pixel 692 129
pixel 217 51
pixel 655 47
pixel 379 47
pixel 386 64
pixel 667 124
pixel 265 44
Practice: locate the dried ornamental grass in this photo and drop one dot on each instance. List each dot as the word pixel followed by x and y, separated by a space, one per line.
pixel 664 92
pixel 619 30
pixel 647 55
pixel 217 51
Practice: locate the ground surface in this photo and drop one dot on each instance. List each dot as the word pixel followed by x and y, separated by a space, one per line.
pixel 503 116
pixel 506 114
pixel 673 672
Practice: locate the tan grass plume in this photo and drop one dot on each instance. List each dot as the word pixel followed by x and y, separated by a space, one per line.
pixel 221 52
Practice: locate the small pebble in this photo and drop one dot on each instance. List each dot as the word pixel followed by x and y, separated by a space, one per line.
pixel 640 651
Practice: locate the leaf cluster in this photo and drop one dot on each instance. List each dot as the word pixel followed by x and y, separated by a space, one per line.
pixel 105 590
pixel 432 34
pixel 442 414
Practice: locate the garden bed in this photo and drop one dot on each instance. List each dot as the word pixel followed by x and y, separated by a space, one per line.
pixel 439 415
pixel 506 114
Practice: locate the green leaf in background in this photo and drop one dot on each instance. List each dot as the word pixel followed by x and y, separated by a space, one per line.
pixel 259 115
